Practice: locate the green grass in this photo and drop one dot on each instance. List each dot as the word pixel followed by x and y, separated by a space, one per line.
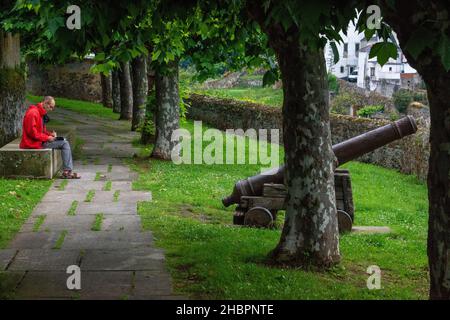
pixel 60 240
pixel 82 107
pixel 98 176
pixel 116 196
pixel 17 200
pixel 39 221
pixel 97 225
pixel 73 208
pixel 267 96
pixel 108 186
pixel 90 195
pixel 210 258
pixel 63 185
pixel 110 167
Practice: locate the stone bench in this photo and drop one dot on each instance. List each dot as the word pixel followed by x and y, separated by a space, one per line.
pixel 32 163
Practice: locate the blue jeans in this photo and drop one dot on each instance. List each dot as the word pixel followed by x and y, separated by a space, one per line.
pixel 66 152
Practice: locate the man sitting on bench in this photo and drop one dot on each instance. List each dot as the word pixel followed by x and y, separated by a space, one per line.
pixel 36 136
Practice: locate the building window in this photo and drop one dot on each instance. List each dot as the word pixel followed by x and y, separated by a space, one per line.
pixel 357 49
pixel 342 69
pixel 390 69
pixel 345 50
pixel 372 72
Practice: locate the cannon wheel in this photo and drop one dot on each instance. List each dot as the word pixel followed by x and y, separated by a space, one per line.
pixel 344 221
pixel 258 217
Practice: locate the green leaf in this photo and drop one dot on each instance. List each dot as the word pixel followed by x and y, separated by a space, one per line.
pixel 383 51
pixel 270 77
pixel 368 33
pixel 444 51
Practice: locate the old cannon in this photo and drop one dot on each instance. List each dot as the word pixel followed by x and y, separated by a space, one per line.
pixel 260 197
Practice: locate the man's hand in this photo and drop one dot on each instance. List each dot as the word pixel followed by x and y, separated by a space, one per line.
pixel 54 134
pixel 51 139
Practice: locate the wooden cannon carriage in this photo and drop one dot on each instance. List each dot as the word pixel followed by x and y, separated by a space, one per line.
pixel 260 197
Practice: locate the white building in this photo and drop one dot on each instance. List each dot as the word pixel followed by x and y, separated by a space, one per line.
pixel 355 65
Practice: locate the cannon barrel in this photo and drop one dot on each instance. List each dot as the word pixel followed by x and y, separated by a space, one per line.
pixel 344 152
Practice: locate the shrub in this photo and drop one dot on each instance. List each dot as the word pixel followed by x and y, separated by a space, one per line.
pixel 369 111
pixel 402 99
pixel 342 102
pixel 333 84
pixel 421 97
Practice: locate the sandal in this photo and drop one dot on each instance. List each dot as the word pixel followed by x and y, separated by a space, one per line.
pixel 70 175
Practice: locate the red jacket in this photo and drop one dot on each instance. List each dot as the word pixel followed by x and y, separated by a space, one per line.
pixel 34 132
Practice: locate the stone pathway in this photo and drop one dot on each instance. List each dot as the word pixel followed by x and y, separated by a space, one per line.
pixel 91 223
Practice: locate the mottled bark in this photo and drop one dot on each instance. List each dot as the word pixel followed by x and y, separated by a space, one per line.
pixel 115 91
pixel 167 118
pixel 404 18
pixel 12 88
pixel 140 90
pixel 150 75
pixel 126 92
pixel 106 83
pixel 310 236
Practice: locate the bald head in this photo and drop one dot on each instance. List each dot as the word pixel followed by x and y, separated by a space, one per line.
pixel 49 103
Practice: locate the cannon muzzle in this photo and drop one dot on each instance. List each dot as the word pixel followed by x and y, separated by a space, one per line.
pixel 344 152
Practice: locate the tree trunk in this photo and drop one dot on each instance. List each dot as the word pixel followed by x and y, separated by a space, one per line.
pixel 167 111
pixel 126 92
pixel 310 237
pixel 12 88
pixel 404 18
pixel 147 135
pixel 106 82
pixel 115 79
pixel 140 90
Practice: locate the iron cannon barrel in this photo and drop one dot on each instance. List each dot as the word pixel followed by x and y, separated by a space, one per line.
pixel 344 152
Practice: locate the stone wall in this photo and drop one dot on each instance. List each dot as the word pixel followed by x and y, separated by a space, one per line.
pixel 72 81
pixel 409 155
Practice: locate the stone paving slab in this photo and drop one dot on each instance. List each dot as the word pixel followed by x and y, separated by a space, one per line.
pixel 122 185
pixel 371 230
pixel 120 176
pixel 120 169
pixel 107 240
pixel 121 223
pixel 75 223
pixel 9 281
pixel 44 260
pixel 152 283
pixel 45 285
pixel 85 185
pixel 107 197
pixel 6 256
pixel 60 208
pixel 34 240
pixel 64 196
pixel 103 197
pixel 118 208
pixel 106 285
pixel 131 260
